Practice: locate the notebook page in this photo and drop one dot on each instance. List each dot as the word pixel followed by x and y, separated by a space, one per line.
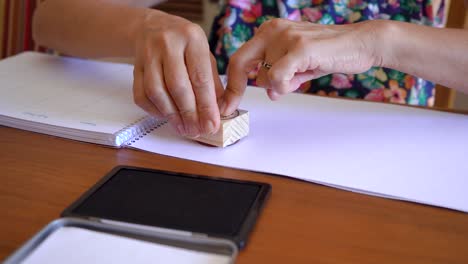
pixel 65 92
pixel 76 245
pixel 379 149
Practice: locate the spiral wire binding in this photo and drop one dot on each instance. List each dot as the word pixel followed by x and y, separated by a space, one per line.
pixel 138 129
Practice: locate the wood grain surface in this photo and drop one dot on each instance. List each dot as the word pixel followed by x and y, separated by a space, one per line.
pixel 301 223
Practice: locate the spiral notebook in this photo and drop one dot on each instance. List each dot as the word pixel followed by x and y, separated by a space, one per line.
pixel 77 99
pixel 378 149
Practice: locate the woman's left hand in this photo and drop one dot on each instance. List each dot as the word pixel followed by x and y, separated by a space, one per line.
pixel 295 52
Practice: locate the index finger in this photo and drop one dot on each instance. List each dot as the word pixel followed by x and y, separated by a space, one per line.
pixel 241 63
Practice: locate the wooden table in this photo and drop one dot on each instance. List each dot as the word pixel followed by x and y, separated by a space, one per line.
pixel 301 223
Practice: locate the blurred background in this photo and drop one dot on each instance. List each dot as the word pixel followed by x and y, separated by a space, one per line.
pixel 15 31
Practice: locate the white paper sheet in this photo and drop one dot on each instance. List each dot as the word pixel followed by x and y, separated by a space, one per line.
pixel 74 245
pixel 378 149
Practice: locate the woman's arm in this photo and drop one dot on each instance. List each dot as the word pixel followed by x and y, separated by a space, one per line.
pixel 91 28
pixel 435 54
pixel 301 51
pixel 175 76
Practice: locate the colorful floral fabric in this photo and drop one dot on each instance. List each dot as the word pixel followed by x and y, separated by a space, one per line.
pixel 239 19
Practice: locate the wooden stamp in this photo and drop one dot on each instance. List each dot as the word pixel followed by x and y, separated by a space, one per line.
pixel 232 129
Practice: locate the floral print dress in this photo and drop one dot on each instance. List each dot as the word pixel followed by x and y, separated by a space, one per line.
pixel 239 19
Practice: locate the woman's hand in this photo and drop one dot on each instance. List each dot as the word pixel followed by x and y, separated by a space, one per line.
pixel 175 75
pixel 298 52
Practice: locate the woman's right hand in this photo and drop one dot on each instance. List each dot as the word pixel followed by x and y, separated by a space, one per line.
pixel 175 75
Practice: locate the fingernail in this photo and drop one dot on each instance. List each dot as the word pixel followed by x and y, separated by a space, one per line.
pixel 181 130
pixel 208 127
pixel 222 107
pixel 273 95
pixel 193 132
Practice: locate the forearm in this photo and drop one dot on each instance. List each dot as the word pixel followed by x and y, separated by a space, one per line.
pixel 90 28
pixel 438 55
